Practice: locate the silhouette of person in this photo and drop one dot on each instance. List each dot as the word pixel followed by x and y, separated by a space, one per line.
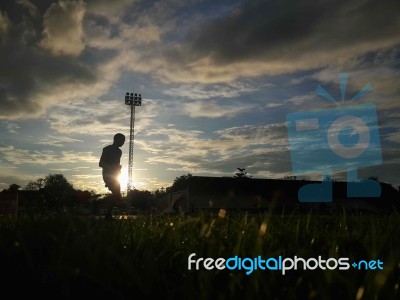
pixel 110 162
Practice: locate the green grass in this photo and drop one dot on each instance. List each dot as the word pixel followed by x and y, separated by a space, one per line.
pixel 66 256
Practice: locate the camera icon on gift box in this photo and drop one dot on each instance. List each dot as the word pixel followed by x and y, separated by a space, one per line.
pixel 342 138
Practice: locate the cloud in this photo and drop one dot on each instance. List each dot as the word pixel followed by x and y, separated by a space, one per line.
pixel 395 138
pixel 262 147
pixel 142 35
pixel 4 23
pixel 33 11
pixel 63 28
pixel 274 104
pixel 269 134
pixel 107 7
pixel 201 91
pixel 88 45
pixel 101 118
pixel 212 110
pixel 273 37
pixel 86 176
pixel 11 127
pixel 34 79
pixel 18 156
pixel 273 32
pixel 57 141
pixel 41 81
pixel 46 78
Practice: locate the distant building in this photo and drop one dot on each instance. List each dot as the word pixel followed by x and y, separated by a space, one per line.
pixel 250 194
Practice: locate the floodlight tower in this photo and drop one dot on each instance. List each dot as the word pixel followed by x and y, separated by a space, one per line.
pixel 132 100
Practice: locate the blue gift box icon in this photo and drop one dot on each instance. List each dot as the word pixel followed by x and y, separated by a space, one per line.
pixel 334 139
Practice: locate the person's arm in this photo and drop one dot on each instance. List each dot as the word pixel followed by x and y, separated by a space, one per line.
pixel 119 161
pixel 110 160
pixel 104 162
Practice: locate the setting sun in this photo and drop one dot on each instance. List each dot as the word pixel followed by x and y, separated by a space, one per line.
pixel 123 178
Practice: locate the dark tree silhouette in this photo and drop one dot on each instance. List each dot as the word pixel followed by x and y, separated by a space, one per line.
pixel 58 191
pixel 14 188
pixel 290 177
pixel 180 183
pixel 241 173
pixel 327 178
pixel 35 185
pixel 141 199
pixel 159 193
pixel 374 178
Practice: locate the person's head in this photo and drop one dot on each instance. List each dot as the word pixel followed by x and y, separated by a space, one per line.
pixel 119 139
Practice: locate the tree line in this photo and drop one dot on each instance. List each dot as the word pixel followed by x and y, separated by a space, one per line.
pixel 54 192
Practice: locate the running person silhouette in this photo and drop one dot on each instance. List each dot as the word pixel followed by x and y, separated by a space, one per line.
pixel 110 161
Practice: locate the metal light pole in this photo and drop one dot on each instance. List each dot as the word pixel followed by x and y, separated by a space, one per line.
pixel 132 100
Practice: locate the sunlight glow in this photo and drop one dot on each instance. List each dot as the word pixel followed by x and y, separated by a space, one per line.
pixel 123 178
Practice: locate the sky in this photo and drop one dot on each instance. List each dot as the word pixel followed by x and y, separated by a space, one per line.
pixel 217 78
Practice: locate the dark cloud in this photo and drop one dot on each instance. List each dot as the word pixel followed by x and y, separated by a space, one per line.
pixel 254 38
pixel 107 7
pixel 29 72
pixel 63 28
pixel 276 29
pixel 51 50
pixel 33 77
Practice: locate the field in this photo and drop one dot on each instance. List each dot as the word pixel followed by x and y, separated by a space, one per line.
pixel 67 256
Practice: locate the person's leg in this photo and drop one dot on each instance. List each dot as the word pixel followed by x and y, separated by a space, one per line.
pixel 109 206
pixel 117 193
pixel 112 183
pixel 116 197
